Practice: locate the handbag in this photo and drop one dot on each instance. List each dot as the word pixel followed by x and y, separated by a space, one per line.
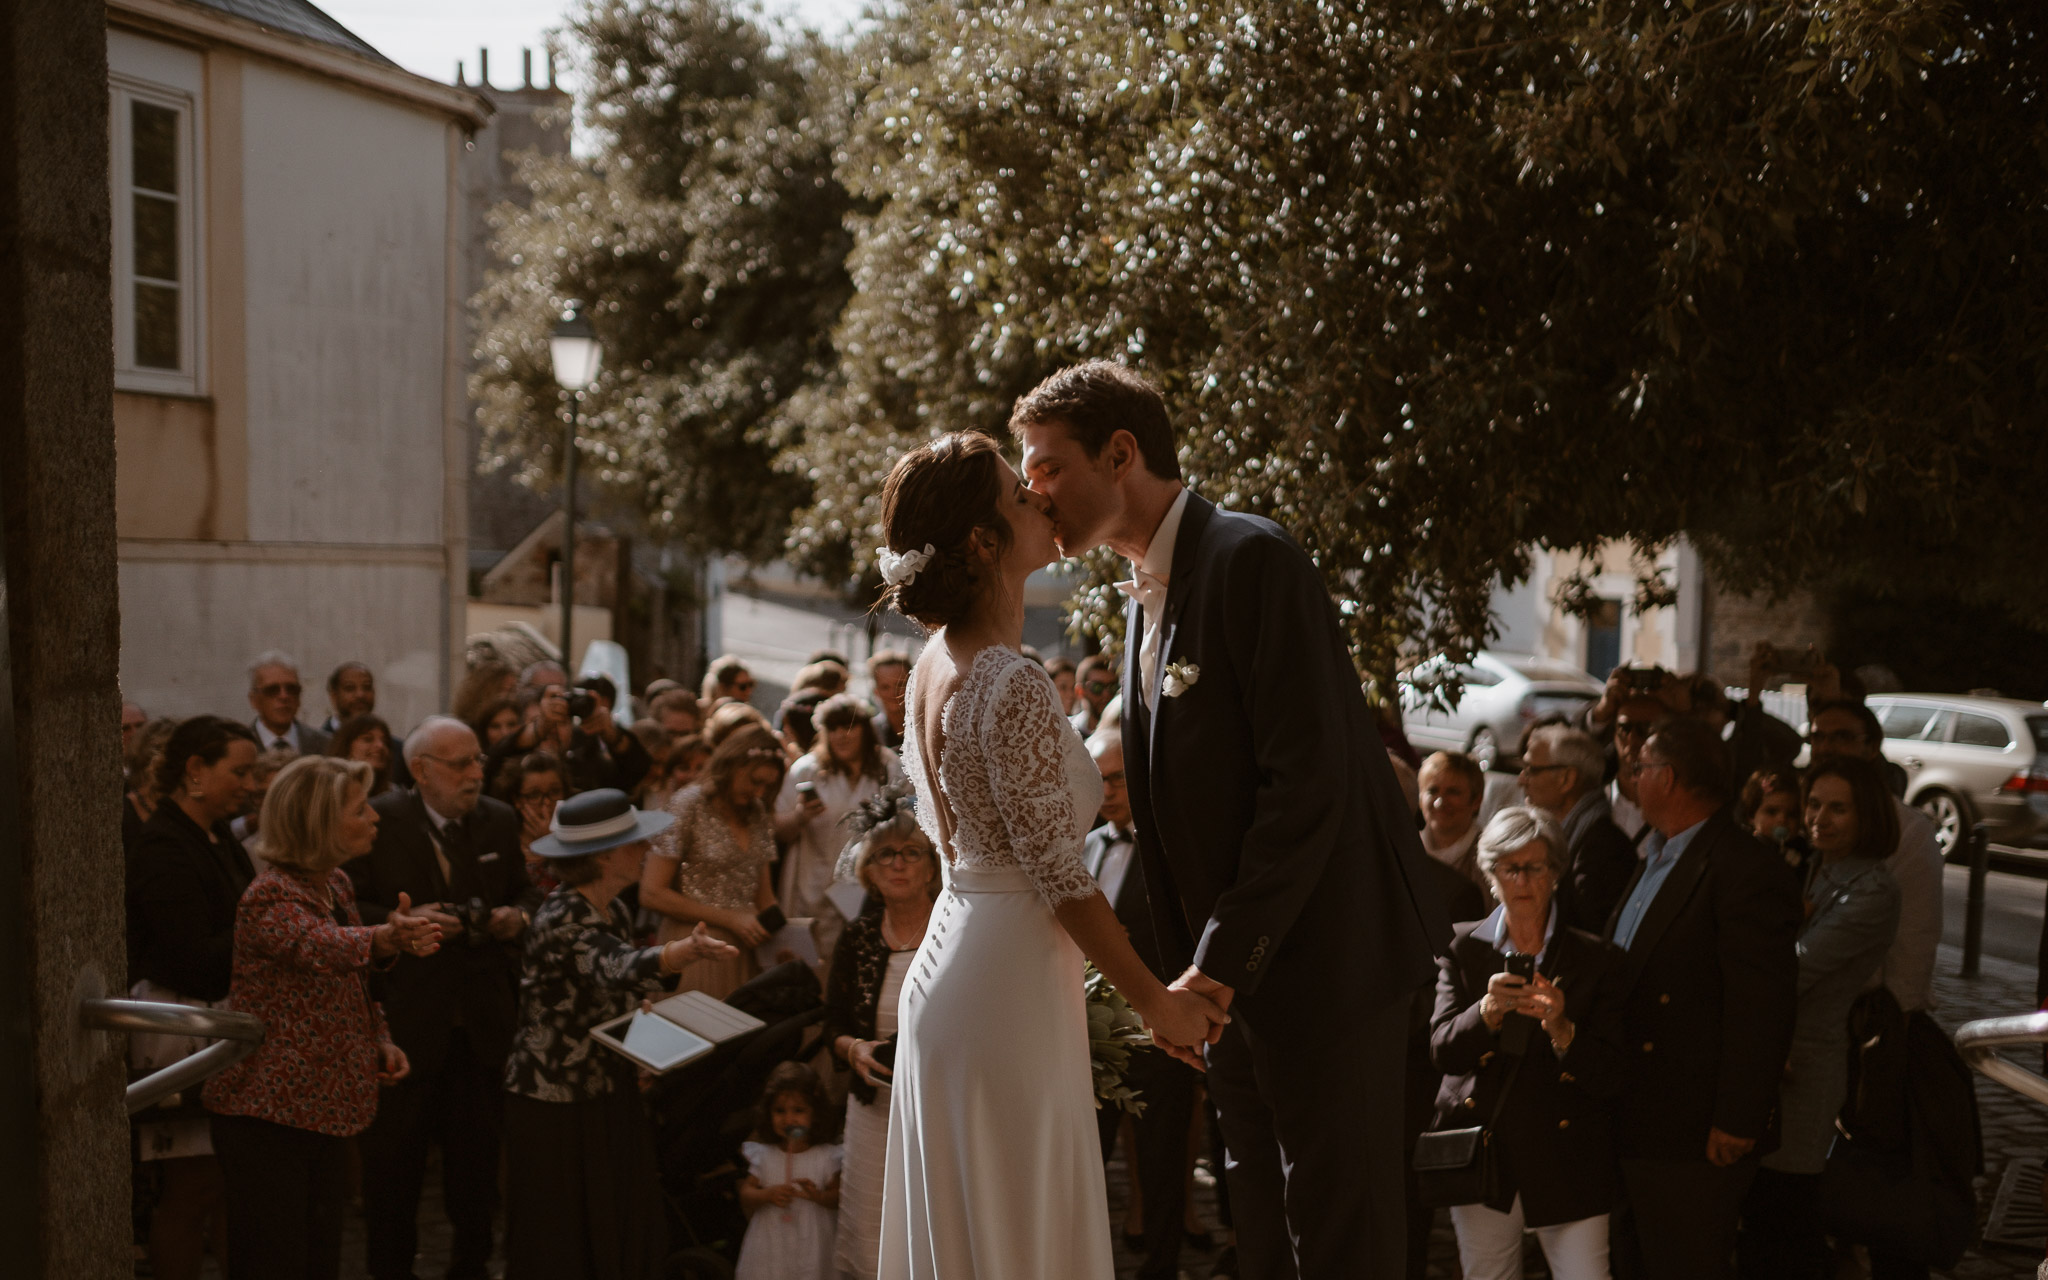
pixel 1461 1166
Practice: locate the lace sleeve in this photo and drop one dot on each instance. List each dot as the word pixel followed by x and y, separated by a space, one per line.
pixel 1030 747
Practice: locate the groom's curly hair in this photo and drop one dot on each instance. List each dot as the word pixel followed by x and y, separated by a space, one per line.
pixel 936 496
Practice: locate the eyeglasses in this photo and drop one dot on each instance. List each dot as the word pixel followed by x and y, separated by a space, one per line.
pixel 1521 870
pixel 1631 729
pixel 536 797
pixel 277 690
pixel 459 765
pixel 898 857
pixel 1099 686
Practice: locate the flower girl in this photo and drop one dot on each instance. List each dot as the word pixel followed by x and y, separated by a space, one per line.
pixel 791 1193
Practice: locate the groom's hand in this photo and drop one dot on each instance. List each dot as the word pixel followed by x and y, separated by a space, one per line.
pixel 1203 985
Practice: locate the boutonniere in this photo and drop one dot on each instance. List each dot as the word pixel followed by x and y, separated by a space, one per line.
pixel 1179 677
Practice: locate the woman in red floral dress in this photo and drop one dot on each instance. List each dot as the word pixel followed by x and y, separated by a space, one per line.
pixel 282 1117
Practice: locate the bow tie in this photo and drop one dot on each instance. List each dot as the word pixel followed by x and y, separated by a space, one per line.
pixel 1149 590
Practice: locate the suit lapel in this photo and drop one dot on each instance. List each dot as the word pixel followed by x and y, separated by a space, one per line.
pixel 1194 522
pixel 429 865
pixel 1671 898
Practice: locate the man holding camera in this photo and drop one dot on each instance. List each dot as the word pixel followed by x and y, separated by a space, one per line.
pixel 447 845
pixel 575 725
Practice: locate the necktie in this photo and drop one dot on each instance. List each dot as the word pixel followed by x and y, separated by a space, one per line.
pixel 1149 590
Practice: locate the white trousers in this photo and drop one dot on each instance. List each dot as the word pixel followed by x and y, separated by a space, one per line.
pixel 1490 1244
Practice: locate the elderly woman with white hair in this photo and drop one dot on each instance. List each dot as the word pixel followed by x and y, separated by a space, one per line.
pixel 894 859
pixel 1527 1033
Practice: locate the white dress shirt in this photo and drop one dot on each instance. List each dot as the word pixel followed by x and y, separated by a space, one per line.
pixel 1150 577
pixel 268 741
pixel 1117 852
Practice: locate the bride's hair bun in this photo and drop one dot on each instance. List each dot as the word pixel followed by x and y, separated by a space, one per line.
pixel 937 495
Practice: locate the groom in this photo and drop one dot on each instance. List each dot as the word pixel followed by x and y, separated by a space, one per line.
pixel 1284 871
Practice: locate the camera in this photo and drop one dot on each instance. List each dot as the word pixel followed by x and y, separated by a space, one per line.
pixel 582 704
pixel 1521 966
pixel 475 918
pixel 1644 681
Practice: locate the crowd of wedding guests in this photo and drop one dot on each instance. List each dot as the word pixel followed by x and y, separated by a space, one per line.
pixel 1666 929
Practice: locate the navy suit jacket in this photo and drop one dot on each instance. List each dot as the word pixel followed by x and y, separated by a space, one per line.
pixel 1279 853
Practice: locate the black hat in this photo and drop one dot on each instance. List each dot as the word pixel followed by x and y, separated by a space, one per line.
pixel 598 820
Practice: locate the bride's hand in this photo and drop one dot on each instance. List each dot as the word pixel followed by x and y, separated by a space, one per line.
pixel 1184 1018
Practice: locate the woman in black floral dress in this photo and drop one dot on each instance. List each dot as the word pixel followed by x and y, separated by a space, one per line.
pixel 582 1200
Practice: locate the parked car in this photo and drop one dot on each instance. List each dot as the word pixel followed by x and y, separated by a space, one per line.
pixel 1969 759
pixel 1503 694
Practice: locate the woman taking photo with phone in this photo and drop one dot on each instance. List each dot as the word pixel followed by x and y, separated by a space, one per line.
pixel 847 766
pixel 712 866
pixel 1527 1033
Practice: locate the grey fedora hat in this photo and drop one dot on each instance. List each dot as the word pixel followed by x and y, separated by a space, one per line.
pixel 598 820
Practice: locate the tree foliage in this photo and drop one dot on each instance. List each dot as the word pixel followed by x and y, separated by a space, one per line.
pixel 1430 283
pixel 706 236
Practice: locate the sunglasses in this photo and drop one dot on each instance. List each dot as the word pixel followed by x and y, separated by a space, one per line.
pixel 898 857
pixel 1099 686
pixel 278 690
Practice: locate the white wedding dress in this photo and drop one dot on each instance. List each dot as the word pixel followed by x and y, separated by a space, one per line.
pixel 994 1169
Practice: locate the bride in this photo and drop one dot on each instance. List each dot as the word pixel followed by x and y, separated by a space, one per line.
pixel 994 1170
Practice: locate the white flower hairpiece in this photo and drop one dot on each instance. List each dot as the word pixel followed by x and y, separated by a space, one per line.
pixel 898 570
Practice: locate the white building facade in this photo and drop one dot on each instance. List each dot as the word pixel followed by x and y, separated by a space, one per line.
pixel 290 409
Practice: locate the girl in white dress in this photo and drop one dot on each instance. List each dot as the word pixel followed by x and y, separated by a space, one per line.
pixel 791 1191
pixel 994 1168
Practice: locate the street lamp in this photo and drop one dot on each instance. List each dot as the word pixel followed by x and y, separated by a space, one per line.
pixel 576 355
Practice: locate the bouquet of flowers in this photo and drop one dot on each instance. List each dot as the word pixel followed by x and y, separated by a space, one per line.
pixel 1114 1030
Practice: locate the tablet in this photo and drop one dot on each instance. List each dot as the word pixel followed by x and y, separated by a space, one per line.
pixel 660 1044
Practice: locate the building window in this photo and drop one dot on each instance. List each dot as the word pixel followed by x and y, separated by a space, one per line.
pixel 156 240
pixel 1603 638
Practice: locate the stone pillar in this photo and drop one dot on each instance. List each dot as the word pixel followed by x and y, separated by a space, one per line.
pixel 63 1128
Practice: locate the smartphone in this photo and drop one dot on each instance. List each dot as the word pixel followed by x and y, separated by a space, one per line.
pixel 1796 662
pixel 1521 966
pixel 772 919
pixel 808 790
pixel 885 1053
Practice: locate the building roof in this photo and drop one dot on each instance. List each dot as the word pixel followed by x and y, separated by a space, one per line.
pixel 298 18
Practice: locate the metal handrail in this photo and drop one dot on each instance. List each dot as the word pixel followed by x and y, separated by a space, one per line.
pixel 239 1034
pixel 1980 1041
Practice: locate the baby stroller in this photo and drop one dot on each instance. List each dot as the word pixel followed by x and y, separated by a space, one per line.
pixel 702 1113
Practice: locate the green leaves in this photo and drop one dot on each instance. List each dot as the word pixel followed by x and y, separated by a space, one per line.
pixel 706 235
pixel 1428 284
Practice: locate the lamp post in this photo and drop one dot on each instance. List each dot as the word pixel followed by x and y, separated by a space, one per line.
pixel 576 355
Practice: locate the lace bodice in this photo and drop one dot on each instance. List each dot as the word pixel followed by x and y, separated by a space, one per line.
pixel 1021 787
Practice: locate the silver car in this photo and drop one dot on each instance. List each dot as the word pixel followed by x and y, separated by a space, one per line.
pixel 1969 759
pixel 1504 693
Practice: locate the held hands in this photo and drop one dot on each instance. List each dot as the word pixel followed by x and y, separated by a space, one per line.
pixel 506 923
pixel 409 932
pixel 700 945
pixel 1191 1013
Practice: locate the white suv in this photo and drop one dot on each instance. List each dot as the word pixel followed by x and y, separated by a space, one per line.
pixel 1971 758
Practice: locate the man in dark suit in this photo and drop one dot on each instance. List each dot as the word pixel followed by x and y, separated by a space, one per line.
pixel 1167 1087
pixel 1286 878
pixel 453 1012
pixel 1709 923
pixel 1561 772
